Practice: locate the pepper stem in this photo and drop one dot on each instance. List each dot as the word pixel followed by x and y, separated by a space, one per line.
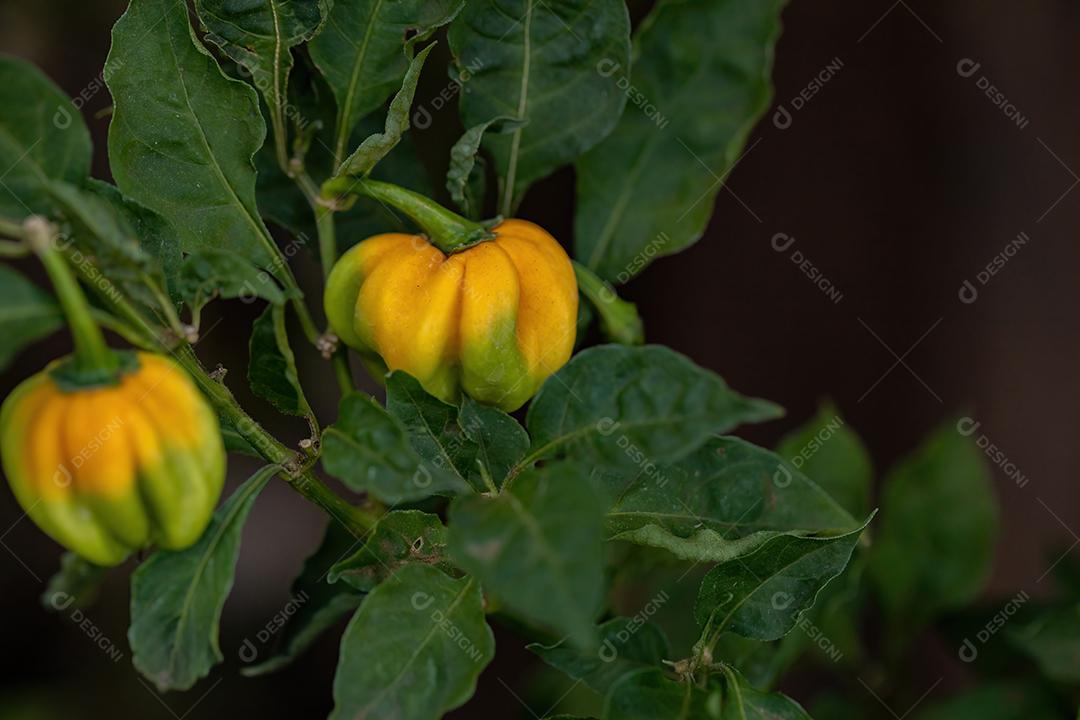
pixel 92 355
pixel 619 319
pixel 445 229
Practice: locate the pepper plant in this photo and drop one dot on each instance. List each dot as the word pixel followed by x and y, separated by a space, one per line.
pixel 532 463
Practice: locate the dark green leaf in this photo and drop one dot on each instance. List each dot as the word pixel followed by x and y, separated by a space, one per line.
pixel 463 160
pixel 1052 641
pixel 538 62
pixel 100 229
pixel 722 501
pixel 207 274
pixel 500 440
pixel 649 694
pixel 537 547
pixel 375 147
pixel 361 52
pixel 940 504
pixel 829 452
pixel 762 595
pixel 626 407
pixel 259 36
pixel 27 313
pixel 414 649
pixel 75 584
pixel 400 538
pixel 272 365
pixel 998 701
pixel 42 137
pixel 700 82
pixel 369 450
pixel 183 134
pixel 626 645
pixel 177 597
pixel 318 604
pixel 743 702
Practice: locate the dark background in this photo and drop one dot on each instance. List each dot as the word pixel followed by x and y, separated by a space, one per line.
pixel 899 180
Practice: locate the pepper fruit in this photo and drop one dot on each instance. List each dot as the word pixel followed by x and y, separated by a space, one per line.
pixel 107 469
pixel 492 313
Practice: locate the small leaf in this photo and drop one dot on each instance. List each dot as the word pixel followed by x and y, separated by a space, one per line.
pixel 401 537
pixel 1053 642
pixel 183 135
pixel 723 501
pixel 369 450
pixel 375 147
pixel 320 605
pixel 831 454
pixel 361 52
pixel 939 503
pixel 618 406
pixel 207 274
pixel 700 81
pixel 538 62
pixel 414 649
pixel 272 366
pixel 537 547
pixel 501 441
pixel 42 136
pixel 626 645
pixel 177 597
pixel 75 584
pixel 27 314
pixel 763 594
pixel 463 160
pixel 649 694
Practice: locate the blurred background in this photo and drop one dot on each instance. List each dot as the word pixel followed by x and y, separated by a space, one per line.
pixel 883 179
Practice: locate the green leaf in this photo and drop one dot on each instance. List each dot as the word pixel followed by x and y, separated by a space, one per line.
pixel 831 454
pixel 361 52
pixel 500 440
pixel 75 584
pixel 762 595
pixel 649 694
pixel 939 503
pixel 743 702
pixel 319 605
pixel 42 137
pixel 101 230
pixel 723 501
pixel 259 36
pixel 626 407
pixel 538 62
pixel 414 649
pixel 463 160
pixel 375 147
pixel 177 597
pixel 1000 700
pixel 700 82
pixel 207 274
pixel 27 314
pixel 183 135
pixel 1053 642
pixel 272 365
pixel 626 645
pixel 537 547
pixel 400 538
pixel 369 450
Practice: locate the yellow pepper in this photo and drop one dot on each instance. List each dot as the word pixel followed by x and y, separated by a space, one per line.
pixel 494 319
pixel 109 468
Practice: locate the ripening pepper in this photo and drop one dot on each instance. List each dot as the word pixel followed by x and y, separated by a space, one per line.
pixel 110 467
pixel 493 318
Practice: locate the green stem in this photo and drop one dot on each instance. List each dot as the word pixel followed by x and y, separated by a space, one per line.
pixel 446 230
pixel 92 355
pixel 324 224
pixel 300 478
pixel 10 228
pixel 9 249
pixel 619 319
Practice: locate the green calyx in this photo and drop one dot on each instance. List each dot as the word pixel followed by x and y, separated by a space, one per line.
pixel 71 376
pixel 444 229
